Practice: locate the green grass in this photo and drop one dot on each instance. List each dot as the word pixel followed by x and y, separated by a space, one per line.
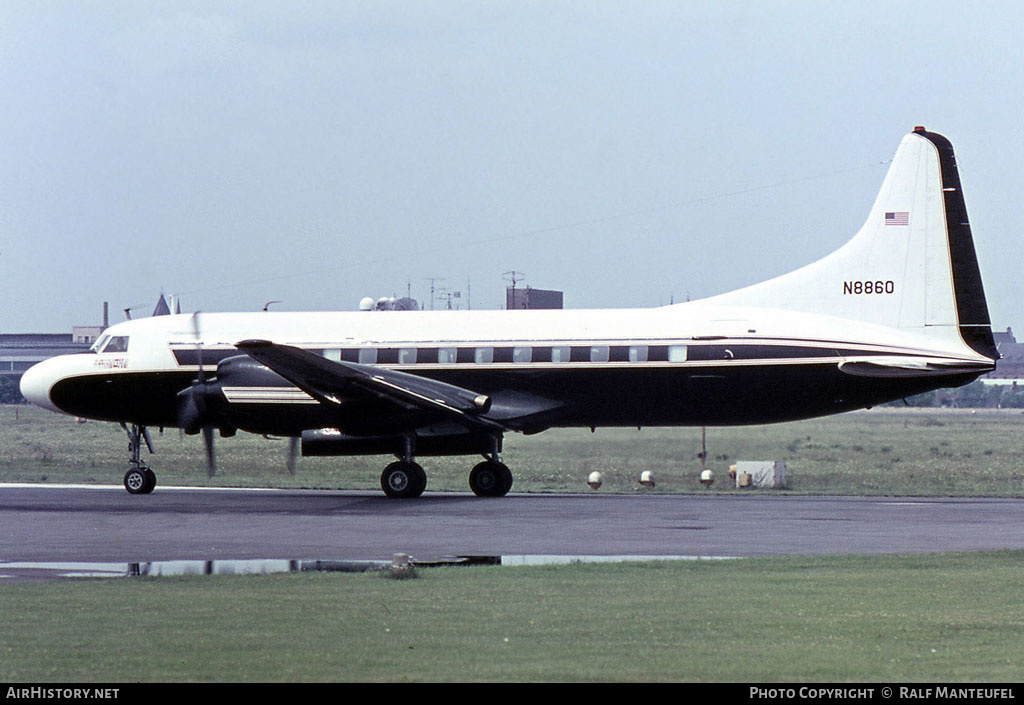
pixel 883 451
pixel 951 617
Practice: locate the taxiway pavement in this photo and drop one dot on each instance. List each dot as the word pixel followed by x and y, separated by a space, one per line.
pixel 100 524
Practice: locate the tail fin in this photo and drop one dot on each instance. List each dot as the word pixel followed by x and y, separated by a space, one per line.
pixel 911 266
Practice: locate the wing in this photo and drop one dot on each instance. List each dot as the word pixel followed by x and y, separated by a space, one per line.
pixel 329 382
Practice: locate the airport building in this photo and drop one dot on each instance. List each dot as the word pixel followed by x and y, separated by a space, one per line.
pixel 1010 366
pixel 531 298
pixel 19 351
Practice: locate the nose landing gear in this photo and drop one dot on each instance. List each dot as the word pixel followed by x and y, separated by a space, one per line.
pixel 139 479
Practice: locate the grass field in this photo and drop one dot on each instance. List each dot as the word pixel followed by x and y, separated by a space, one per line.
pixel 938 618
pixel 882 451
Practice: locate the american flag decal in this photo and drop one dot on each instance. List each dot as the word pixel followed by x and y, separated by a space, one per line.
pixel 897 218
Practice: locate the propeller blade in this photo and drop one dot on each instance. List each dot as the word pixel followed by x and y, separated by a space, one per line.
pixel 211 461
pixel 293 451
pixel 199 346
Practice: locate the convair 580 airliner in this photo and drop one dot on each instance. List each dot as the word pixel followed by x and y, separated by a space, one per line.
pixel 899 310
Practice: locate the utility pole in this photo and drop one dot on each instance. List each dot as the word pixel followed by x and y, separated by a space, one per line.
pixel 512 276
pixel 432 280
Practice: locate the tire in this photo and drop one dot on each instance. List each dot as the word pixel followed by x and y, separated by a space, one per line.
pixel 490 479
pixel 401 480
pixel 136 481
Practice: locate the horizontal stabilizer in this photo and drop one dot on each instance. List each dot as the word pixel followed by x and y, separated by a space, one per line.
pixel 897 366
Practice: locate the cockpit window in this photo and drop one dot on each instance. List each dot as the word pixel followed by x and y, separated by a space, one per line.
pixel 117 344
pixel 100 342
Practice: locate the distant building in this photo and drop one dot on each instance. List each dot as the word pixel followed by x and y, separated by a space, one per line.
pixel 1010 365
pixel 19 351
pixel 531 298
pixel 86 334
pixel 1006 337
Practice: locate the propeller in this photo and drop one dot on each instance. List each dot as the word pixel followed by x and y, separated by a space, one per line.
pixel 193 411
pixel 293 451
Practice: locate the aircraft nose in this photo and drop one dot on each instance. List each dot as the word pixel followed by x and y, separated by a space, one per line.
pixel 37 381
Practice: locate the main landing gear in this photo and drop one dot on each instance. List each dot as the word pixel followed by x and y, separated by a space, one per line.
pixel 139 479
pixel 404 479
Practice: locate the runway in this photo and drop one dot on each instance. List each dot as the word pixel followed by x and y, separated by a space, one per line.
pixel 53 524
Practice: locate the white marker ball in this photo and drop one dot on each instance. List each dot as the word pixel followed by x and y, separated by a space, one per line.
pixel 594 479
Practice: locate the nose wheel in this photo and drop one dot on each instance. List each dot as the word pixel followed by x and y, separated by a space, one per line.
pixel 139 480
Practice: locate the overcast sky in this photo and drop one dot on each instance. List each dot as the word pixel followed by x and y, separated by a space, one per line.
pixel 628 153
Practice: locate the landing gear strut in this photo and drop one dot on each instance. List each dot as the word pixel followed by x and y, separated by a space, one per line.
pixel 139 479
pixel 404 479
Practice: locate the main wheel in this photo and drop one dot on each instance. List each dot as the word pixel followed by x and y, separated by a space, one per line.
pixel 490 479
pixel 139 480
pixel 401 480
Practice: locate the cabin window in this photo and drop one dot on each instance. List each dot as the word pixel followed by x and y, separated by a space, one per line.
pixel 677 353
pixel 522 354
pixel 657 353
pixel 560 353
pixel 579 354
pixel 333 354
pixel 599 353
pixel 447 356
pixel 368 356
pixel 638 353
pixel 541 354
pixel 484 356
pixel 350 355
pixel 618 353
pixel 117 344
pixel 387 356
pixel 503 354
pixel 407 356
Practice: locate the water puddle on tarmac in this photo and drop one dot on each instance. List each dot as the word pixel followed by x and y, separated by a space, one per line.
pixel 35 570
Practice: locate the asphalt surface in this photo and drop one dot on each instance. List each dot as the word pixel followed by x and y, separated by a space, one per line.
pixel 91 525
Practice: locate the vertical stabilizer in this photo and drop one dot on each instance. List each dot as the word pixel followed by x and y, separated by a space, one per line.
pixel 911 266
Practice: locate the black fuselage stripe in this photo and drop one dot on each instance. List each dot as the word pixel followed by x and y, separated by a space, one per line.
pixel 576 354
